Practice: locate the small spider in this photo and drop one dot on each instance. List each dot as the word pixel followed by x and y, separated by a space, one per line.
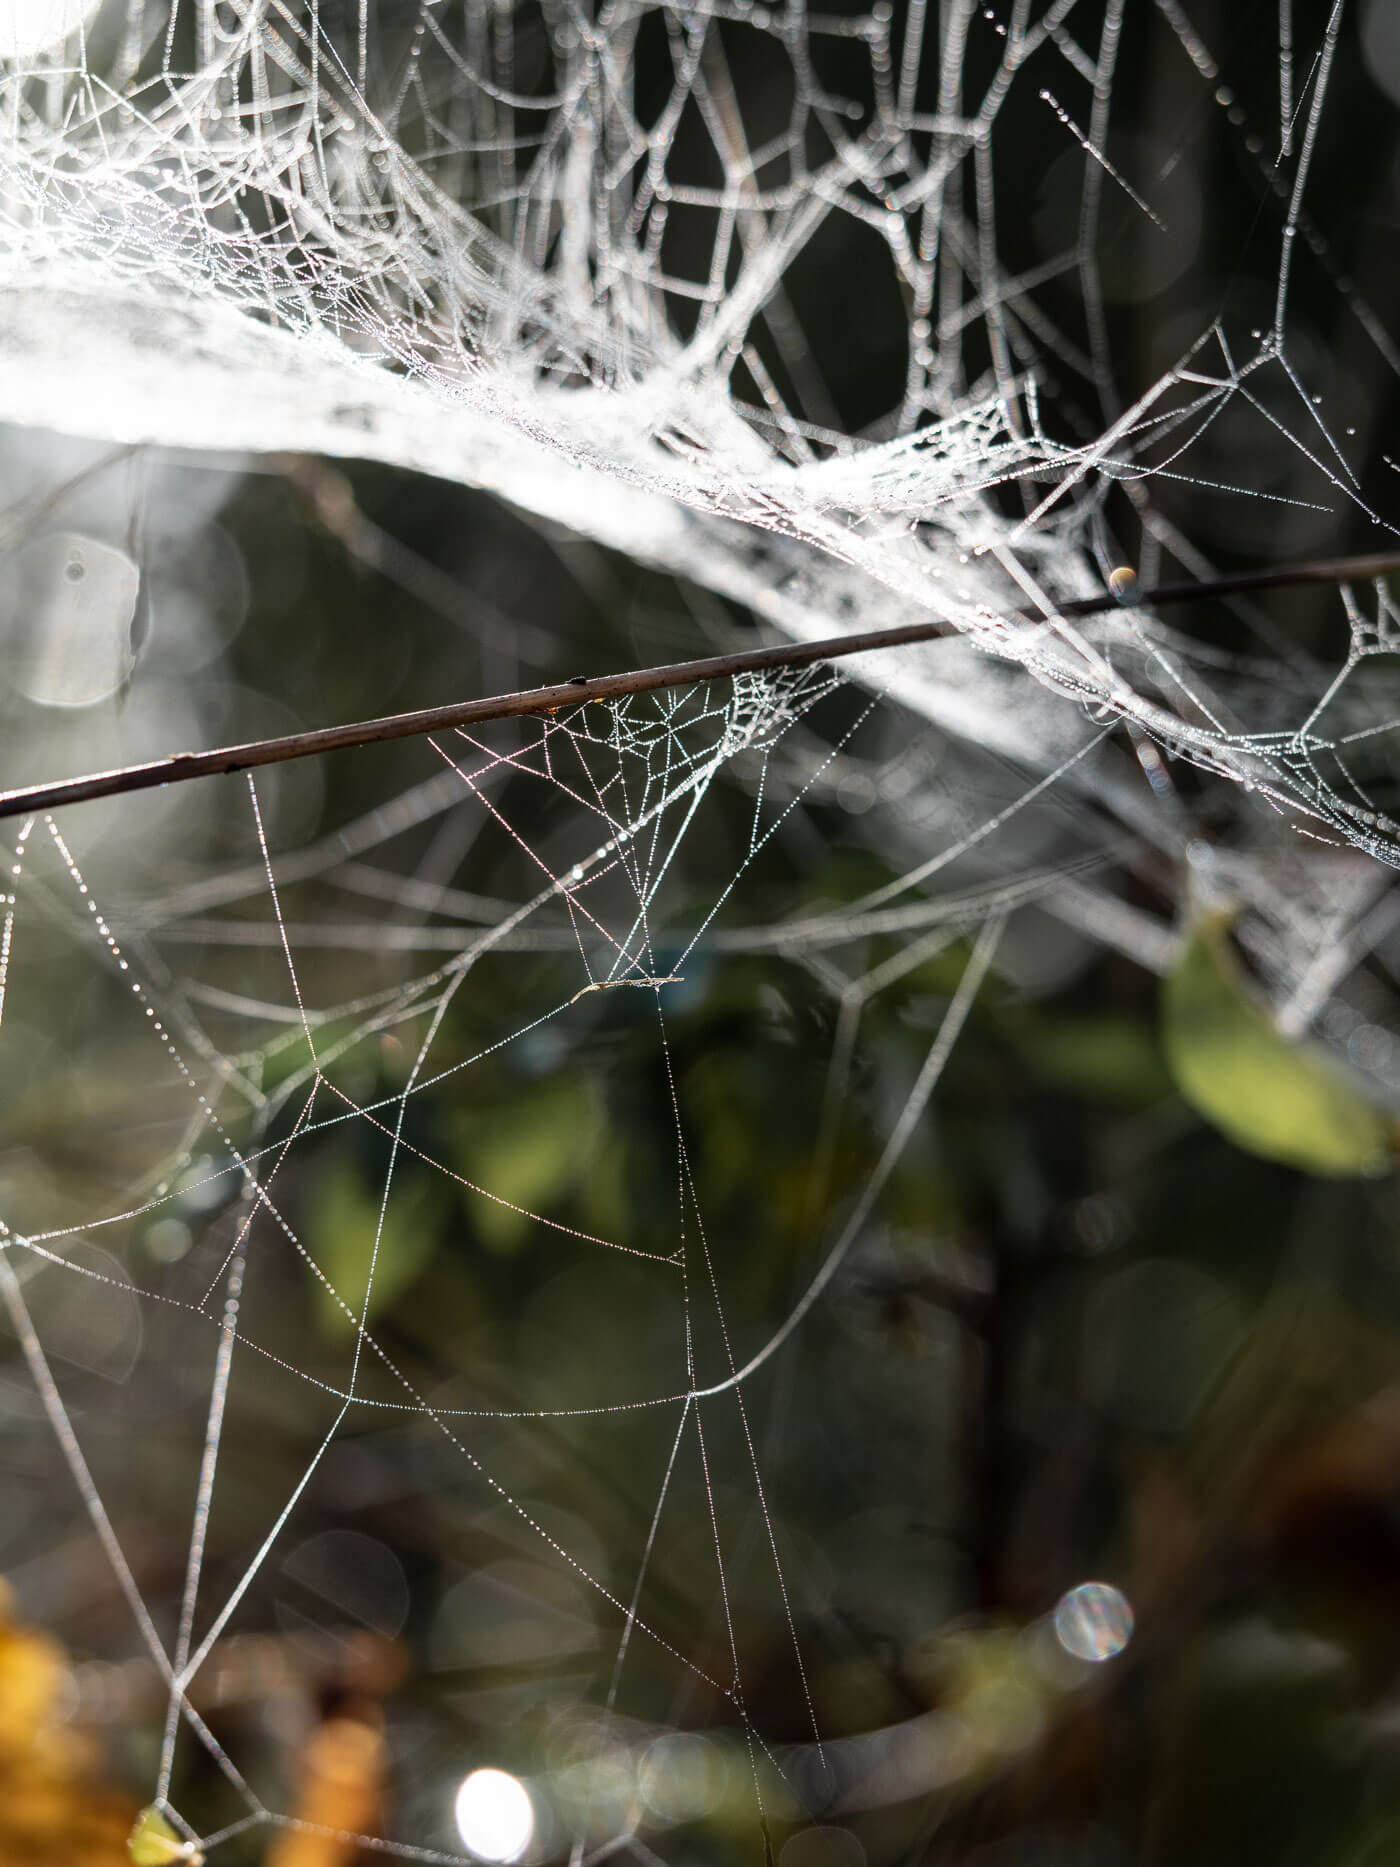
pixel 574 680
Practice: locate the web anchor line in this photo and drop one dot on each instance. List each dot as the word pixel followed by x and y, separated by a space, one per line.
pixel 180 767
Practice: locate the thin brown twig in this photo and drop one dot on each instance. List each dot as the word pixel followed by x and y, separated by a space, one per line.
pixel 180 767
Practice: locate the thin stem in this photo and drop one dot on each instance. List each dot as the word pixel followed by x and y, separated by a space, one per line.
pixel 179 767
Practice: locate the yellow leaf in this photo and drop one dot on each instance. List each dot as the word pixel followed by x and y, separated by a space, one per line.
pixel 1269 1095
pixel 154 1843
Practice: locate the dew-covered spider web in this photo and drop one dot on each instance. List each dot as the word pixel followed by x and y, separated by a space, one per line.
pixel 752 294
pixel 244 1261
pixel 463 1202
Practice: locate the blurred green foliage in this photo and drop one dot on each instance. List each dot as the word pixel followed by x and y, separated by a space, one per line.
pixel 1274 1097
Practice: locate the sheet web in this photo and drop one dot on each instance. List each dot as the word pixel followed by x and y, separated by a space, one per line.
pixel 219 1242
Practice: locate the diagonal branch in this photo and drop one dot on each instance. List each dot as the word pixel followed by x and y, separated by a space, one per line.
pixel 182 766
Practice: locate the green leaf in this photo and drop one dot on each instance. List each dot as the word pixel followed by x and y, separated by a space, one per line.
pixel 341 1232
pixel 525 1155
pixel 1272 1097
pixel 1112 1058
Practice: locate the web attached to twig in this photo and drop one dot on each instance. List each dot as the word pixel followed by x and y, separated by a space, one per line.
pixel 580 259
pixel 230 1241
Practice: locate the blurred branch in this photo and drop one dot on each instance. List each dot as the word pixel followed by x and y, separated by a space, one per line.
pixel 331 497
pixel 28 513
pixel 180 767
pixel 249 1669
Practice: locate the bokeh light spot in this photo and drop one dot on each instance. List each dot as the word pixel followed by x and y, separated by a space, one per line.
pixel 1094 1621
pixel 66 608
pixel 495 1816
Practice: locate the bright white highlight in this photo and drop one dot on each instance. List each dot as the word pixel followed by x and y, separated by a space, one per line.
pixel 495 1816
pixel 1094 1622
pixel 28 27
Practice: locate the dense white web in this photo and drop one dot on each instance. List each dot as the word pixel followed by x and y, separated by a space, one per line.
pixel 569 257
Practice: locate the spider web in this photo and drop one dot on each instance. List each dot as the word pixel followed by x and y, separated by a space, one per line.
pixel 633 779
pixel 568 257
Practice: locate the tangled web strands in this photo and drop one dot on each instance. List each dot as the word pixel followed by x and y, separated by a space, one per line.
pixel 569 257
